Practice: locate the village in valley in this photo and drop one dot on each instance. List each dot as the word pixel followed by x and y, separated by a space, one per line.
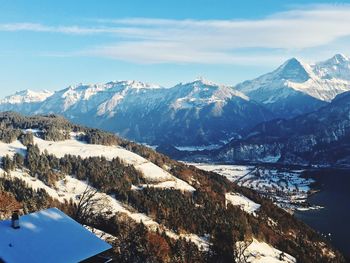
pixel 286 187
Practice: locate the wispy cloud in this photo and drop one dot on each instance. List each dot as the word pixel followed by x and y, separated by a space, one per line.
pixel 147 40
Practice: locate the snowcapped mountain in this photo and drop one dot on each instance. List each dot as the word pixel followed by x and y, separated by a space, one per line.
pixel 297 87
pixel 337 67
pixel 26 96
pixel 26 101
pixel 196 113
pixel 201 93
pixel 102 99
pixel 207 113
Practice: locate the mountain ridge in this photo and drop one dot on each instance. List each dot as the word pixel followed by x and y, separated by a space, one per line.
pixel 317 138
pixel 196 113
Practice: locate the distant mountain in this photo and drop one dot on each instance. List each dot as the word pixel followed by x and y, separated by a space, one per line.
pixel 26 96
pixel 318 138
pixel 26 101
pixel 337 67
pixel 196 113
pixel 296 87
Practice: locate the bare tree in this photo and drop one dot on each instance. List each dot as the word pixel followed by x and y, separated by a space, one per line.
pixel 90 203
pixel 240 249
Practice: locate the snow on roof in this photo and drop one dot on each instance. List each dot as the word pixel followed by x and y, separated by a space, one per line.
pixel 48 236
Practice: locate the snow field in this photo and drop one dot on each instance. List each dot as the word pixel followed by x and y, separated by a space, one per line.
pixel 157 176
pixel 243 202
pixel 261 252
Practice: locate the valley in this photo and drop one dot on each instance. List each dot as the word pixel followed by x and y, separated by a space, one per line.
pixel 285 186
pixel 317 196
pixel 48 161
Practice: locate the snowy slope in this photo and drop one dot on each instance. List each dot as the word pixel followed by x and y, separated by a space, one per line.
pixel 152 172
pixel 11 148
pixel 261 252
pixel 70 189
pixel 243 202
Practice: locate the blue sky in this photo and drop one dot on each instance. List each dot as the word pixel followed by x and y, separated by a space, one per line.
pixel 53 44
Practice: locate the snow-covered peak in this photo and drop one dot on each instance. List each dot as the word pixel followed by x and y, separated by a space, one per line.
pixel 92 89
pixel 26 96
pixel 337 67
pixel 201 92
pixel 134 84
pixel 204 82
pixel 323 80
pixel 100 98
pixel 339 58
pixel 294 70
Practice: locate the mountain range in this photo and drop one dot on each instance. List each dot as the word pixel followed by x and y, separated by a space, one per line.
pixel 318 138
pixel 199 113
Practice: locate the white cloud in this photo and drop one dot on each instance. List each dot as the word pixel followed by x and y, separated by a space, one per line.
pixel 147 40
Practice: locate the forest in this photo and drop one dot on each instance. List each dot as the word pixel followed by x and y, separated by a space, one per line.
pixel 203 212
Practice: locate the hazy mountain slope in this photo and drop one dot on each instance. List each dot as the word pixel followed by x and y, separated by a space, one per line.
pixel 321 137
pixel 196 113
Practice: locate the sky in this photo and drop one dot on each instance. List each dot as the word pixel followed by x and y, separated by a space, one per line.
pixel 53 44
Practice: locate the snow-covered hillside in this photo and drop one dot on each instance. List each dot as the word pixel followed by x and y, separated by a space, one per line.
pixel 243 202
pixel 11 148
pixel 156 176
pixel 70 188
pixel 261 252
